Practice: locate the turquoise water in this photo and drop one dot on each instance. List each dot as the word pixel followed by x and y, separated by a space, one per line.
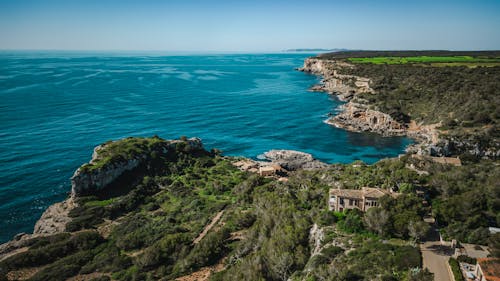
pixel 57 106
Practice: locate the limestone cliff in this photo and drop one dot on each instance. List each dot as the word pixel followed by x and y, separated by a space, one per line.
pixel 359 118
pixel 344 86
pixel 103 169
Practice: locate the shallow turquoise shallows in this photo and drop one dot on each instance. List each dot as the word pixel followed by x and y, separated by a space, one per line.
pixel 55 107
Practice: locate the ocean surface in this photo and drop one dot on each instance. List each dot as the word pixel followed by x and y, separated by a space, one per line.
pixel 56 106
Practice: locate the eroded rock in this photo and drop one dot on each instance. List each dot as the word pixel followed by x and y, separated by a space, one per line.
pixel 293 160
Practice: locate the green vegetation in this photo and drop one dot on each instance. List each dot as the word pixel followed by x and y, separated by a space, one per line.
pixel 419 86
pixel 146 225
pixel 466 259
pixel 147 232
pixel 122 150
pixel 449 60
pixel 455 269
pixel 468 201
pixel 267 229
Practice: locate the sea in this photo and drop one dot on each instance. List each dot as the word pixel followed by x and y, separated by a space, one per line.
pixel 57 106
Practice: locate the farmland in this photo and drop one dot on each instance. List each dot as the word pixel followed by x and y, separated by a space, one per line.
pixel 433 60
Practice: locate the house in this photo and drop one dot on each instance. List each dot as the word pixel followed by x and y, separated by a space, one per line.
pixel 488 269
pixel 455 161
pixel 247 165
pixel 362 199
pixel 270 170
pixel 267 171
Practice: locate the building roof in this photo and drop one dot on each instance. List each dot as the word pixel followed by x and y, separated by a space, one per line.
pixel 442 160
pixel 245 164
pixel 350 193
pixel 490 268
pixel 375 192
pixel 267 169
pixel 448 160
pixel 360 193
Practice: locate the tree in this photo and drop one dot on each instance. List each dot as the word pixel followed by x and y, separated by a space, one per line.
pixel 281 264
pixel 418 230
pixel 494 244
pixel 376 220
pixel 420 275
pixel 352 222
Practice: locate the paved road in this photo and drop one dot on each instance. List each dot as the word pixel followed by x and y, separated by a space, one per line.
pixel 435 256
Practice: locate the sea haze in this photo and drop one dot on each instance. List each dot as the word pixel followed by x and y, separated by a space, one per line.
pixel 57 106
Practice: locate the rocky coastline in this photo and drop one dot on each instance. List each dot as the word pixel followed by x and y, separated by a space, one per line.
pixel 358 116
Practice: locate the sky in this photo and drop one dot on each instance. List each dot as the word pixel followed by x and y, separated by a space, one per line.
pixel 252 25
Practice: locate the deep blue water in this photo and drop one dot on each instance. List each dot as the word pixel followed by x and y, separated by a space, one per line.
pixel 55 107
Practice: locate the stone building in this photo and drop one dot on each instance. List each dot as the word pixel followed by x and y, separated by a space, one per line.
pixel 362 199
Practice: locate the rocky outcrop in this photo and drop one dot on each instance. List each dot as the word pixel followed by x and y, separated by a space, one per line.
pixel 52 221
pixel 358 118
pixel 55 218
pixel 345 87
pixel 86 180
pixel 293 160
pixel 449 145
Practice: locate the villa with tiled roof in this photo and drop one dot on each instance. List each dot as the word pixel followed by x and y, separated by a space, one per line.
pixel 362 199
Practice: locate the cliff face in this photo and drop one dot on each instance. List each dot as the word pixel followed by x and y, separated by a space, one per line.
pixel 358 118
pixel 84 182
pixel 344 86
pixel 87 180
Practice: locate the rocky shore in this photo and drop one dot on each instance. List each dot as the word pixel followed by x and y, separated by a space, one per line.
pixel 293 160
pixel 357 116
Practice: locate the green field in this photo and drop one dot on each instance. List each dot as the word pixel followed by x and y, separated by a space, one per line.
pixel 445 60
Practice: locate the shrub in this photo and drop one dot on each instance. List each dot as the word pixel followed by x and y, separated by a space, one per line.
pixel 455 269
pixel 466 259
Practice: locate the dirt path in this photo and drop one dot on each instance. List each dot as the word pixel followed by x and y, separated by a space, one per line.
pixel 208 227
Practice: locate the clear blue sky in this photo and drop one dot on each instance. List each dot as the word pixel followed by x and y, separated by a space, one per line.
pixel 253 25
